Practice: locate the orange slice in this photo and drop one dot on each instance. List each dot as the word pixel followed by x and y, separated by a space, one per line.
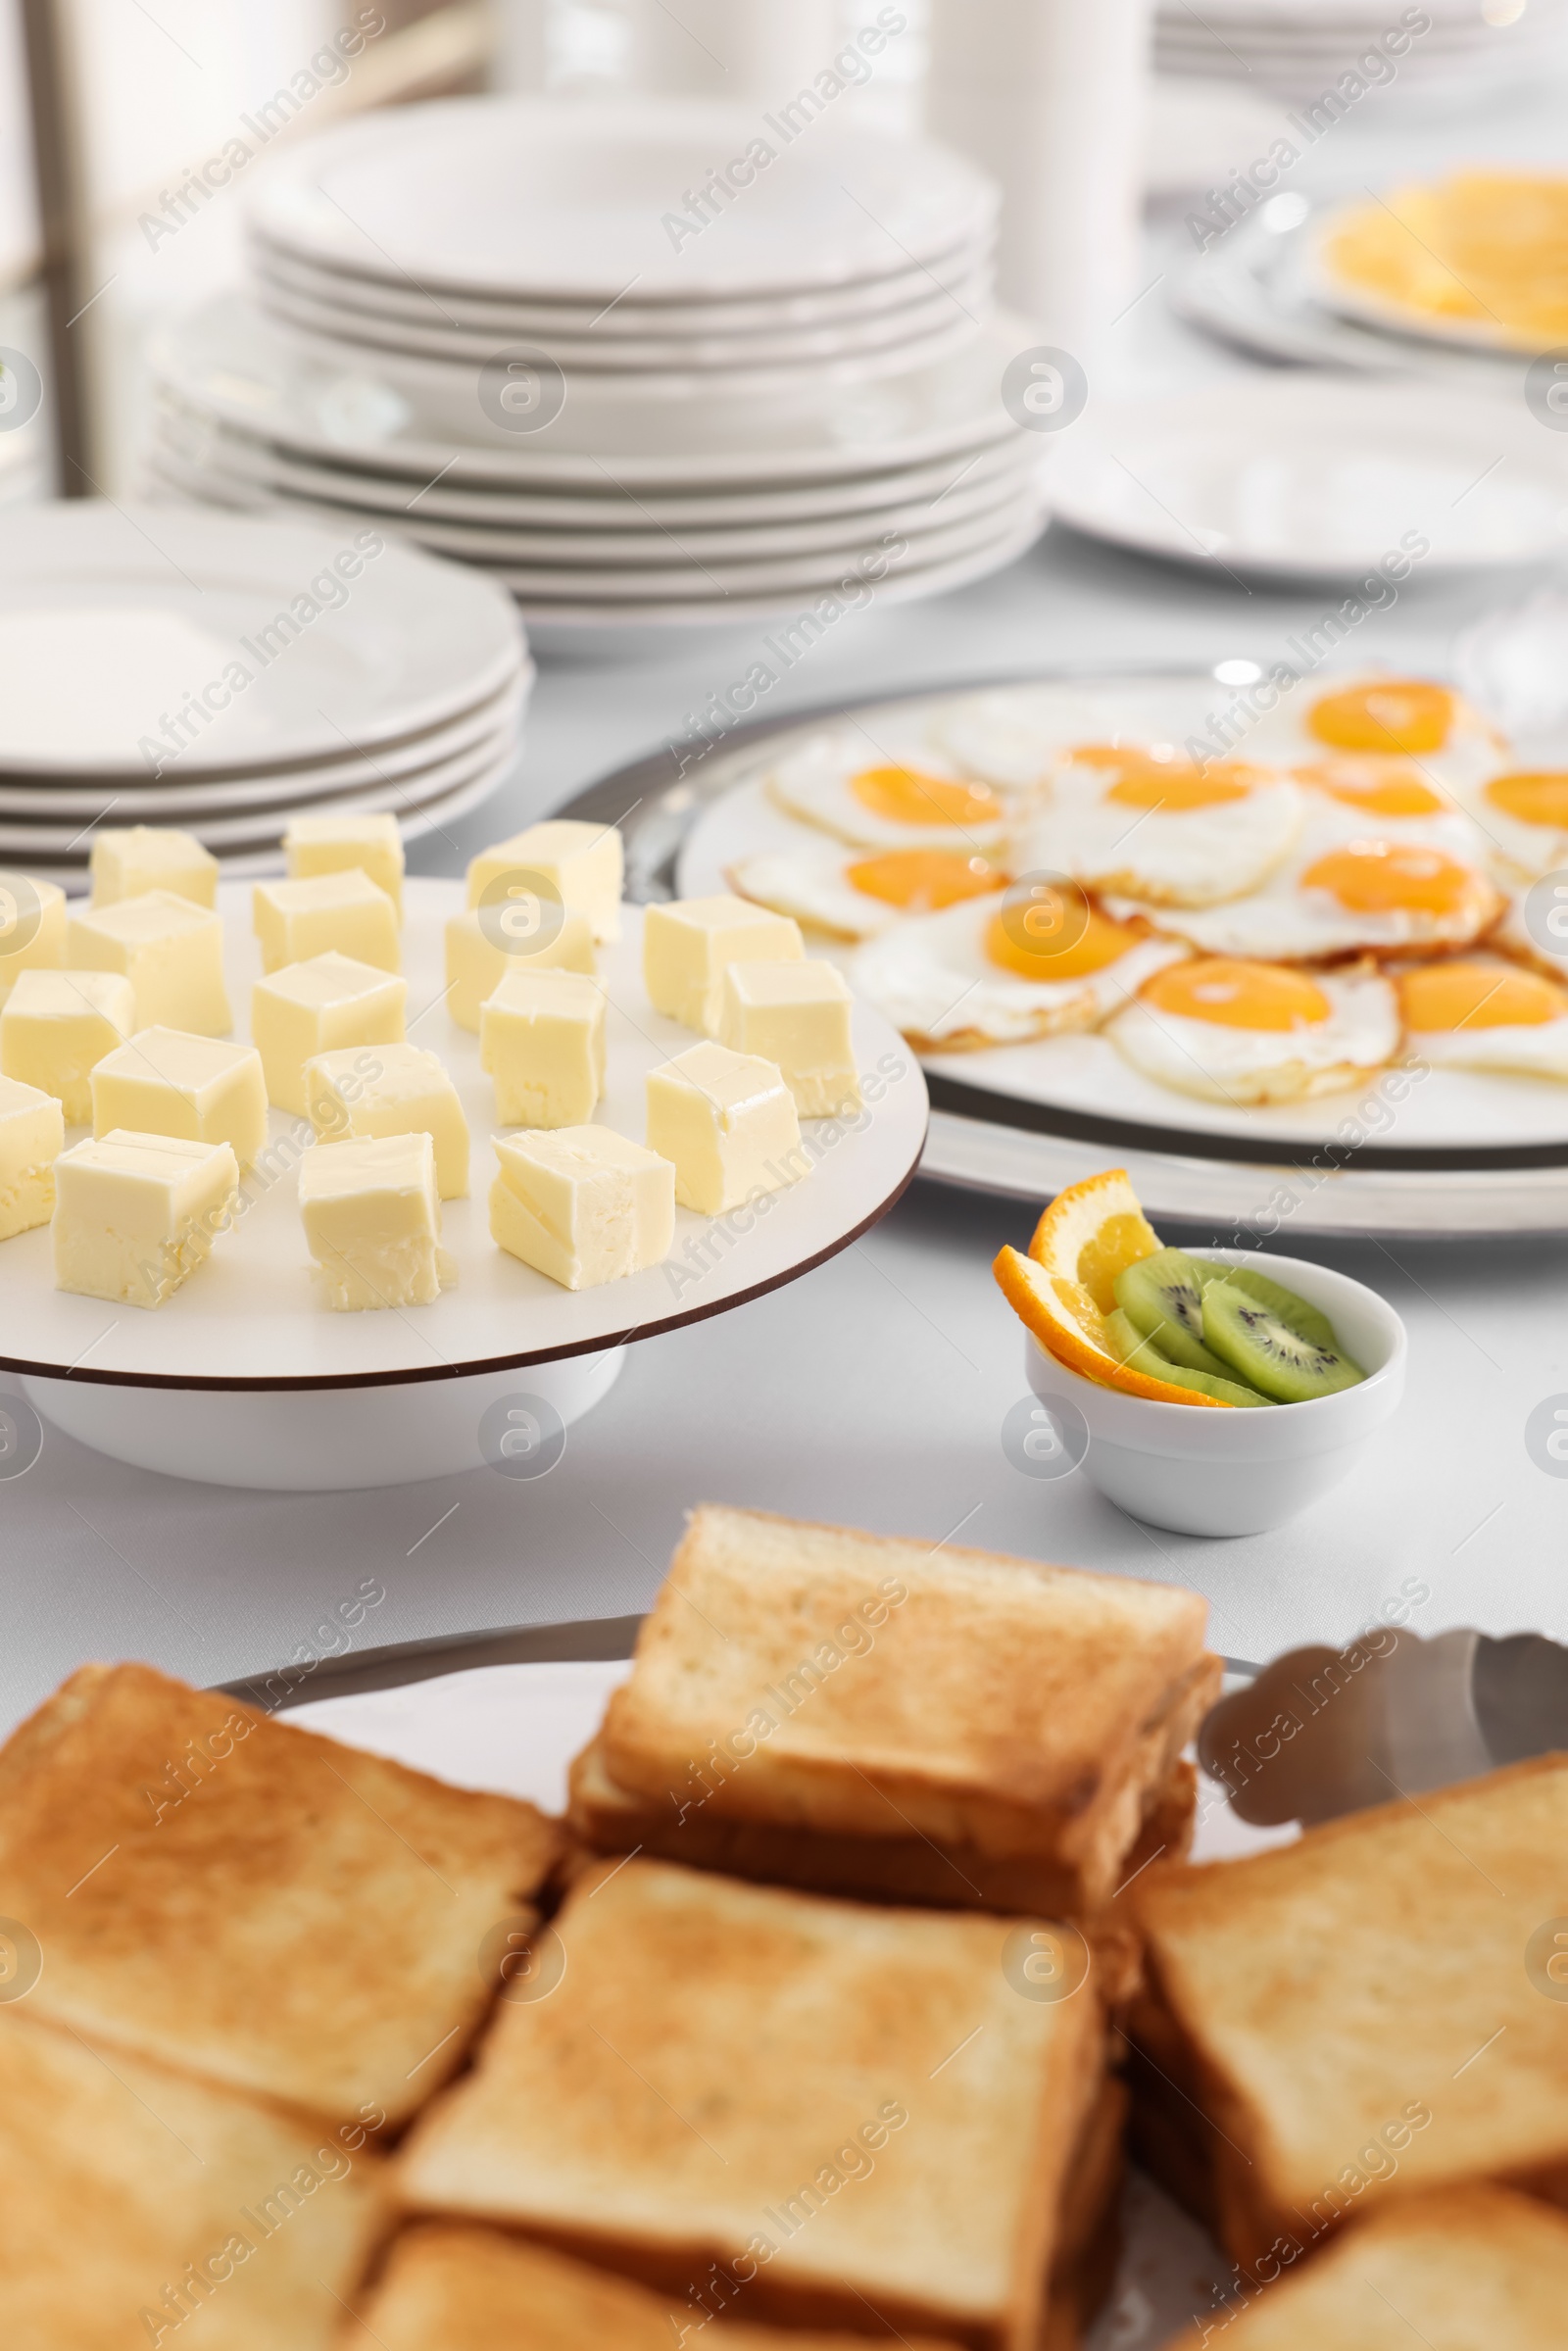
pixel 1065 1289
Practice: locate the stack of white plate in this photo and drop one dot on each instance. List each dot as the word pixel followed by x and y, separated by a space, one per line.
pixel 1298 49
pixel 639 361
pixel 223 673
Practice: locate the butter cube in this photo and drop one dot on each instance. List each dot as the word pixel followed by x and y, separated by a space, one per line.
pixel 688 945
pixel 476 965
pixel 373 1221
pixel 128 860
pixel 171 951
pixel 798 1015
pixel 391 1090
pixel 56 1028
pixel 582 1204
pixel 166 1082
pixel 581 865
pixel 315 1007
pixel 136 1214
pixel 344 843
pixel 32 927
pixel 33 1135
pixel 542 1039
pixel 334 913
pixel 728 1122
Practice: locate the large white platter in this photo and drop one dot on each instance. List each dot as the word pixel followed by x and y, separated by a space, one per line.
pixel 250 1318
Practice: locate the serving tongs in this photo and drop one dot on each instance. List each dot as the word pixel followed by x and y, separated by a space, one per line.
pixel 1321 1731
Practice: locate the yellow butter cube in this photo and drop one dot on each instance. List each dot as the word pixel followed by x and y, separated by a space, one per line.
pixel 798 1015
pixel 32 927
pixel 542 1039
pixel 373 1221
pixel 136 1214
pixel 729 1123
pixel 128 860
pixel 315 1007
pixel 477 963
pixel 391 1090
pixel 57 1027
pixel 33 1135
pixel 582 1204
pixel 346 842
pixel 688 945
pixel 582 868
pixel 171 951
pixel 168 1082
pixel 333 913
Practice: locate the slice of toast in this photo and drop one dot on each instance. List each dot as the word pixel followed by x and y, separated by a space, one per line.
pixel 1472 2270
pixel 250 1903
pixel 815 1679
pixel 134 2200
pixel 858 2114
pixel 1364 2013
pixel 457 2288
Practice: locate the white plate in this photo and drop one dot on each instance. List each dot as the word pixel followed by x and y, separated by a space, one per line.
pixel 1082 1081
pixel 525 199
pixel 111 618
pixel 228 362
pixel 1383 311
pixel 1288 480
pixel 251 1318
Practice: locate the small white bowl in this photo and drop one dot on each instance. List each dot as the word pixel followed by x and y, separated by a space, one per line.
pixel 1244 1471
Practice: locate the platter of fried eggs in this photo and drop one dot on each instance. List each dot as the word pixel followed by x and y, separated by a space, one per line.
pixel 1083 895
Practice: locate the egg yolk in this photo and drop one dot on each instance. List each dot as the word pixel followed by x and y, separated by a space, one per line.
pixel 1478 996
pixel 1054 933
pixel 923 880
pixel 1238 996
pixel 1533 799
pixel 1392 716
pixel 905 795
pixel 1383 787
pixel 1145 782
pixel 1376 877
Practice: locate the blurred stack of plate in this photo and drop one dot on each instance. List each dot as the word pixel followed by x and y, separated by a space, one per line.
pixel 223 673
pixel 1299 49
pixel 637 359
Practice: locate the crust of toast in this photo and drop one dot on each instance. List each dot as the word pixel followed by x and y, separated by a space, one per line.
pixel 718 2076
pixel 1355 2014
pixel 121 2182
pixel 1470 2270
pixel 252 1903
pixel 819 1679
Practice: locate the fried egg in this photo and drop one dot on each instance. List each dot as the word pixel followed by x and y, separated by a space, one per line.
pixel 1477 1013
pixel 1007 739
pixel 1151 825
pixel 1534 928
pixel 1525 815
pixel 1340 897
pixel 1040 964
pixel 844 784
pixel 1373 713
pixel 1245 1032
pixel 1351 794
pixel 858 895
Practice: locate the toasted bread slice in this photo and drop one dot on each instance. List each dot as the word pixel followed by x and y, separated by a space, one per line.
pixel 250 1903
pixel 1473 2270
pixel 858 2113
pixel 846 1685
pixel 133 2199
pixel 1359 2014
pixel 454 2288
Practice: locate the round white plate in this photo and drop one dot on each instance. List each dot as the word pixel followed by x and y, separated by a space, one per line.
pixel 113 617
pixel 524 198
pixel 1288 480
pixel 250 1318
pixel 228 362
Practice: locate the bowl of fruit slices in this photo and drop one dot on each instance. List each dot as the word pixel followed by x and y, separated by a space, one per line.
pixel 1213 1393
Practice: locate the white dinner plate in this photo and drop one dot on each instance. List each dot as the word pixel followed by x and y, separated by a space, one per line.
pixel 250 1318
pixel 112 619
pixel 1317 480
pixel 523 198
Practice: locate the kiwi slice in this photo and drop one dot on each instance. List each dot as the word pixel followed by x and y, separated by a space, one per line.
pixel 1264 1343
pixel 1162 1298
pixel 1307 1322
pixel 1138 1353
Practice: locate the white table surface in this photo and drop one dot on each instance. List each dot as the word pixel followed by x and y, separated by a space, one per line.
pixel 873 1391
